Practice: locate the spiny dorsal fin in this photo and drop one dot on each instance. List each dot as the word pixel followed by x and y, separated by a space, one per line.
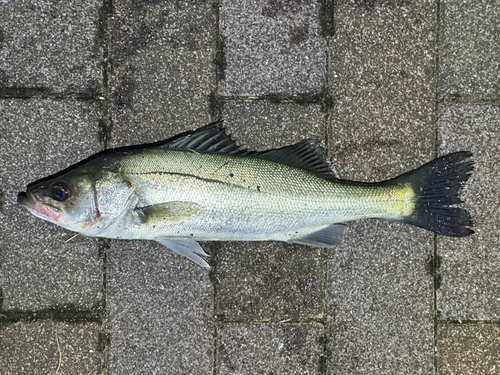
pixel 304 155
pixel 207 139
pixel 213 139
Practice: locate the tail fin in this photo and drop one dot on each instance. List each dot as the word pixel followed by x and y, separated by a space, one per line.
pixel 437 186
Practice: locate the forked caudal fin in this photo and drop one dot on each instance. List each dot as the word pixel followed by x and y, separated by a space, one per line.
pixel 437 186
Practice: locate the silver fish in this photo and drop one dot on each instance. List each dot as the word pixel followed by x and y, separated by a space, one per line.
pixel 199 186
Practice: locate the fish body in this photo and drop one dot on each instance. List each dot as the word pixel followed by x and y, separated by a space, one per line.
pixel 200 187
pixel 224 197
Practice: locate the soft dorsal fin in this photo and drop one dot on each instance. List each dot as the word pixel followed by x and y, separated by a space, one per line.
pixel 213 139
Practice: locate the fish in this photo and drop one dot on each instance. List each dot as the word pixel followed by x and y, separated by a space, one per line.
pixel 200 186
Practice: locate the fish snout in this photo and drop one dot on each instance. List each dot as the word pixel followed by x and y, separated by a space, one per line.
pixel 38 208
pixel 33 194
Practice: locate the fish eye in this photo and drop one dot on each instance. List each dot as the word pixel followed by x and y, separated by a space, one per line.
pixel 60 191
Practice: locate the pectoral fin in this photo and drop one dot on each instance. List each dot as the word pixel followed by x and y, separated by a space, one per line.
pixel 167 212
pixel 186 247
pixel 325 237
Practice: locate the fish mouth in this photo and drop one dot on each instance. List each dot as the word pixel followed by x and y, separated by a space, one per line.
pixel 23 200
pixel 42 210
pixel 28 200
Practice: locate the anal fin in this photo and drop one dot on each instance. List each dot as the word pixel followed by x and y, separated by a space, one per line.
pixel 186 247
pixel 332 235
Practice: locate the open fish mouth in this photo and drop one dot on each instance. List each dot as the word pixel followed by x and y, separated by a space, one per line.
pixel 23 200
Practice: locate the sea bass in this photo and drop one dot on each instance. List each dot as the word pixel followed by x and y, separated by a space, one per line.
pixel 199 186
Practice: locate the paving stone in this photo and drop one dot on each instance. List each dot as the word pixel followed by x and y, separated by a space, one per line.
pixel 38 270
pixel 381 76
pixel 469 266
pixel 380 301
pixel 50 44
pixel 47 347
pixel 262 125
pixel 270 349
pixel 270 280
pixel 468 349
pixel 163 71
pixel 469 49
pixel 159 311
pixel 380 294
pixel 271 47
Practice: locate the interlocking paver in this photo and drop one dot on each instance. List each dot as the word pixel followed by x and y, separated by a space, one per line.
pixel 48 347
pixel 469 46
pixel 50 45
pixel 270 349
pixel 159 313
pixel 270 281
pixel 382 124
pixel 163 73
pixel 468 349
pixel 470 283
pixel 271 47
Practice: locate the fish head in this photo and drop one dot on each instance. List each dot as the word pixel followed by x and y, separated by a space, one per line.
pixel 67 200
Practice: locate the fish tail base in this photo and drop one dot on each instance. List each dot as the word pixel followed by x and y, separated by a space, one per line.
pixel 437 186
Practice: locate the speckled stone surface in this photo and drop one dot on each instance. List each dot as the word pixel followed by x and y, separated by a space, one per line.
pixel 271 47
pixel 48 347
pixel 468 349
pixel 159 314
pixel 160 305
pixel 263 125
pixel 469 48
pixel 38 270
pixel 380 301
pixel 163 73
pixel 270 349
pixel 380 296
pixel 382 77
pixel 269 281
pixel 470 287
pixel 50 45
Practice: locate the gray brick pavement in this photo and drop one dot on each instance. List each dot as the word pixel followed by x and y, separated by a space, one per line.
pixel 48 347
pixel 390 86
pixel 163 72
pixel 270 348
pixel 382 124
pixel 267 43
pixel 51 46
pixel 269 282
pixel 468 43
pixel 468 349
pixel 469 268
pixel 159 314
